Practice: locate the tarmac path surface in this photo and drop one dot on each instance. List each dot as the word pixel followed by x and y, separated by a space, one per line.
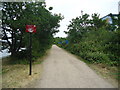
pixel 63 70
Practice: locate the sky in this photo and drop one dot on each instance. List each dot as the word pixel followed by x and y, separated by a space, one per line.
pixel 72 8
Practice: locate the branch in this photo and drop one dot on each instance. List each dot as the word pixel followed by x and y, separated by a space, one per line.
pixel 6 37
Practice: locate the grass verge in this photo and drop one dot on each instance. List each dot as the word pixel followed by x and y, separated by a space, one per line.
pixel 17 75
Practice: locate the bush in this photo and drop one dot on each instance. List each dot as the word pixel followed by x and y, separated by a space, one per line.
pixel 100 46
pixel 96 57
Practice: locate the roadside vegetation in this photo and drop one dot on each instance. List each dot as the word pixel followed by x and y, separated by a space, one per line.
pixel 95 41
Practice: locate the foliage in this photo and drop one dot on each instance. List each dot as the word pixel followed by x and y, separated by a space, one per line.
pixel 58 39
pixel 16 15
pixel 97 47
pixel 93 40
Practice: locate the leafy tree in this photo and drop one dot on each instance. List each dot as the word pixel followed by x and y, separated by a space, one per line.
pixel 17 15
pixel 94 40
pixel 78 27
pixel 97 22
pixel 11 13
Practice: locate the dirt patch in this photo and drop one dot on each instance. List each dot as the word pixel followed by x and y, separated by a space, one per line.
pixel 17 76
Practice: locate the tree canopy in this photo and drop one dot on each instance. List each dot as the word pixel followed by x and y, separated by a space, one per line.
pixel 16 15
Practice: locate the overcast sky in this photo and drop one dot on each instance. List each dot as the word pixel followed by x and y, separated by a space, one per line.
pixel 72 8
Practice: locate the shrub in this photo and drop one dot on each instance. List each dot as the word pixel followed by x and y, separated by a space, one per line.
pixel 97 57
pixel 99 46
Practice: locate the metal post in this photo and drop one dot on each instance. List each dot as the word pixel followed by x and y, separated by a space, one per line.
pixel 30 57
pixel 119 19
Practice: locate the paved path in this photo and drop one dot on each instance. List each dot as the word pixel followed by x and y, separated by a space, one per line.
pixel 63 70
